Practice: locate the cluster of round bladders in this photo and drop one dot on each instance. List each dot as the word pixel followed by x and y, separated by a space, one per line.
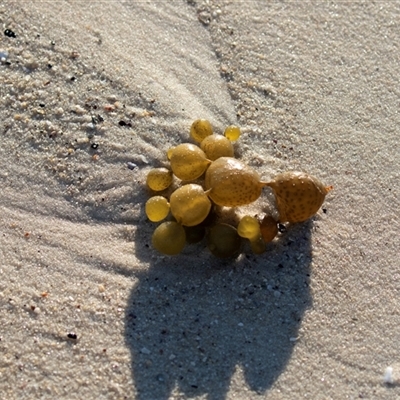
pixel 159 179
pixel 216 146
pixel 200 129
pixel 227 182
pixel 190 205
pixel 298 195
pixel 232 183
pixel 268 228
pixel 188 161
pixel 249 228
pixel 169 238
pixel 224 241
pixel 157 208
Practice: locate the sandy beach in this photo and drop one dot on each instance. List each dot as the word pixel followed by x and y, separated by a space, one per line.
pixel 92 95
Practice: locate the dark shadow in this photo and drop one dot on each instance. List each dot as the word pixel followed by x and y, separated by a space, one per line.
pixel 192 319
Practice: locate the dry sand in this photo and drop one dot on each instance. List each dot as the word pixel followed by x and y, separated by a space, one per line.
pixel 314 86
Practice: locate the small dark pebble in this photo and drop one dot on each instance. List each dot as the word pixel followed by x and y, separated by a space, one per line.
pixel 94 145
pixel 123 123
pixel 42 105
pixel 72 336
pixel 97 118
pixel 282 228
pixel 72 79
pixel 324 210
pixel 49 66
pixel 10 33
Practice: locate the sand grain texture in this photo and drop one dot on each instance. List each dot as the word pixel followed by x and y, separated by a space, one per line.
pixel 85 88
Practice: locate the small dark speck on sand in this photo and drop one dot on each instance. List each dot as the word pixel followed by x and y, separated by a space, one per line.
pixel 281 228
pixel 123 123
pixel 9 33
pixel 72 336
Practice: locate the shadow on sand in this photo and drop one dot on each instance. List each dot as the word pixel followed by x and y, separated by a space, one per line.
pixel 192 320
